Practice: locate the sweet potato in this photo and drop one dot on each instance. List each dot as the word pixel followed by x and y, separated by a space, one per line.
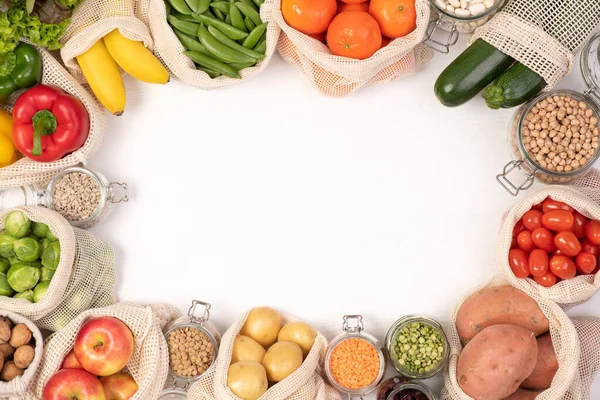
pixel 493 365
pixel 499 305
pixel 545 367
pixel 522 394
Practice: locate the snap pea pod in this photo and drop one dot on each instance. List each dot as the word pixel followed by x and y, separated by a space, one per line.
pixel 210 72
pixel 249 12
pixel 250 3
pixel 241 66
pixel 222 6
pixel 254 37
pixel 228 19
pixel 208 13
pixel 183 17
pixel 212 64
pixel 189 28
pixel 191 44
pixel 180 6
pixel 259 2
pixel 261 47
pixel 203 6
pixel 168 7
pixel 219 14
pixel 233 44
pixel 249 24
pixel 192 4
pixel 237 19
pixel 220 50
pixel 230 31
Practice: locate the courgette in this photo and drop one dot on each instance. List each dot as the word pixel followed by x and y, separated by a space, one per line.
pixel 472 71
pixel 515 86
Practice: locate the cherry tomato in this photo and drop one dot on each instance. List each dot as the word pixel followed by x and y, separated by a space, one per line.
pixel 558 253
pixel 519 227
pixel 568 243
pixel 563 267
pixel 589 247
pixel 551 205
pixel 547 280
pixel 524 241
pixel 513 243
pixel 519 263
pixel 557 220
pixel 579 222
pixel 543 239
pixel 532 219
pixel 538 262
pixel 592 231
pixel 538 206
pixel 586 263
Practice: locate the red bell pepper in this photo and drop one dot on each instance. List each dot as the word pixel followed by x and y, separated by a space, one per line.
pixel 49 123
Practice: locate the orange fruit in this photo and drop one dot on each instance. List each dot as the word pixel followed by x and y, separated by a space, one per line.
pixel 385 41
pixel 319 36
pixel 354 1
pixel 353 7
pixel 354 34
pixel 396 18
pixel 309 16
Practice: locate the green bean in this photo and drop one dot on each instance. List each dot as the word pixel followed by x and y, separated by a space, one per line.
pixel 189 28
pixel 183 17
pixel 230 31
pixel 261 47
pixel 241 66
pixel 259 2
pixel 192 4
pixel 249 12
pixel 249 24
pixel 212 64
pixel 210 72
pixel 237 19
pixel 222 6
pixel 254 37
pixel 218 14
pixel 250 3
pixel 168 7
pixel 180 6
pixel 219 50
pixel 234 45
pixel 203 6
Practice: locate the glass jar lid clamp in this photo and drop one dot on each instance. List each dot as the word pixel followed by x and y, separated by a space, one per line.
pixel 192 312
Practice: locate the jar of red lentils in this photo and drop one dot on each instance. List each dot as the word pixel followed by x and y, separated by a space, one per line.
pixel 355 361
pixel 555 137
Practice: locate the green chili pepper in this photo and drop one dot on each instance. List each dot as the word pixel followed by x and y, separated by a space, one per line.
pixel 237 19
pixel 26 71
pixel 203 6
pixel 249 12
pixel 241 66
pixel 234 45
pixel 250 3
pixel 222 6
pixel 249 24
pixel 261 47
pixel 254 37
pixel 189 28
pixel 183 17
pixel 219 50
pixel 230 31
pixel 192 4
pixel 218 14
pixel 212 64
pixel 210 72
pixel 180 6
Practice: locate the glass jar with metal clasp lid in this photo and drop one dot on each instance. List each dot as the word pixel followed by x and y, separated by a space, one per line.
pixel 562 150
pixel 86 187
pixel 395 388
pixel 208 336
pixel 455 17
pixel 354 339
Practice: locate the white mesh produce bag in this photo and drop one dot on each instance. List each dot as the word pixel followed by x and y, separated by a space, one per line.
pixel 543 35
pixel 149 364
pixel 304 384
pixel 84 278
pixel 587 329
pixel 340 76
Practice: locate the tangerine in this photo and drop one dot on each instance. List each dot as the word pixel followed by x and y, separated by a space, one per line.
pixel 364 6
pixel 385 41
pixel 396 18
pixel 354 34
pixel 309 16
pixel 354 1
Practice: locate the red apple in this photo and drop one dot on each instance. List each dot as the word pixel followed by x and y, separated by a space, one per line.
pixel 73 384
pixel 71 362
pixel 119 386
pixel 104 345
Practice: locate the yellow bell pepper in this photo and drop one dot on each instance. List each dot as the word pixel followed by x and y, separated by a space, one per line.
pixel 8 154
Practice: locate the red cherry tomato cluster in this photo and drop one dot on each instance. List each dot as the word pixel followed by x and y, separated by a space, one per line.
pixel 553 242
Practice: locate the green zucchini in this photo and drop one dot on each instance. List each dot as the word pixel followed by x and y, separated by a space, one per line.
pixel 515 86
pixel 472 71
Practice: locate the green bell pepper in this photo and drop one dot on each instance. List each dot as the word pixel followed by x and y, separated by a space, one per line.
pixel 26 72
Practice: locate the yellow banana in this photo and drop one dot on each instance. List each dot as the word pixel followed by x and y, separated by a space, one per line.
pixel 103 75
pixel 135 59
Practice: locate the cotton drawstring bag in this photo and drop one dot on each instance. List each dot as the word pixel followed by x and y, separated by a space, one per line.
pixel 587 329
pixel 340 76
pixel 94 19
pixel 543 35
pixel 26 171
pixel 170 51
pixel 149 364
pixel 84 278
pixel 304 384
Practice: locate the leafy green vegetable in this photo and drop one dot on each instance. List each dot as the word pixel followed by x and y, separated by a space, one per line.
pixel 8 62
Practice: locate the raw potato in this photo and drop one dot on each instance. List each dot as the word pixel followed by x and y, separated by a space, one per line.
pixel 247 349
pixel 247 380
pixel 499 305
pixel 21 335
pixel 263 325
pixel 300 333
pixel 545 368
pixel 24 356
pixel 281 360
pixel 522 394
pixel 496 362
pixel 10 371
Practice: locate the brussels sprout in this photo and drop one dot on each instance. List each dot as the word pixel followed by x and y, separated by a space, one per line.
pixel 17 224
pixel 46 274
pixel 28 249
pixel 5 289
pixel 14 260
pixel 4 265
pixel 27 295
pixel 36 263
pixel 22 277
pixel 42 231
pixel 7 245
pixel 51 255
pixel 39 292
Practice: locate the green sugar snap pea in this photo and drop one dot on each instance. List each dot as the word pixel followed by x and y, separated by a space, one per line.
pixel 219 14
pixel 230 31
pixel 180 6
pixel 261 47
pixel 191 44
pixel 222 6
pixel 237 19
pixel 234 45
pixel 218 49
pixel 183 17
pixel 249 24
pixel 203 6
pixel 259 2
pixel 189 28
pixel 250 3
pixel 254 37
pixel 192 4
pixel 212 64
pixel 210 72
pixel 241 66
pixel 249 12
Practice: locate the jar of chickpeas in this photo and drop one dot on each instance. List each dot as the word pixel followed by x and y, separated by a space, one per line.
pixel 555 137
pixel 354 362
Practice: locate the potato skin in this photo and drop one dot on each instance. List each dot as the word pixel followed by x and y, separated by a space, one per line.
pixel 499 305
pixel 493 365
pixel 545 367
pixel 522 394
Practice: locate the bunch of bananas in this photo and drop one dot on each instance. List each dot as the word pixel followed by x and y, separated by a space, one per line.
pixel 100 66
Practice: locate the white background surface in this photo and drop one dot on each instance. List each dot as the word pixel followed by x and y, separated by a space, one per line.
pixel 383 204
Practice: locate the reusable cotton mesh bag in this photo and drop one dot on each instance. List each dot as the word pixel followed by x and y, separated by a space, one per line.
pixel 340 76
pixel 84 278
pixel 26 171
pixel 92 20
pixel 543 35
pixel 170 51
pixel 304 384
pixel 149 364
pixel 587 329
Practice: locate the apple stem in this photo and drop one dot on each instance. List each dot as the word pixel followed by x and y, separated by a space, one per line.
pixel 98 345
